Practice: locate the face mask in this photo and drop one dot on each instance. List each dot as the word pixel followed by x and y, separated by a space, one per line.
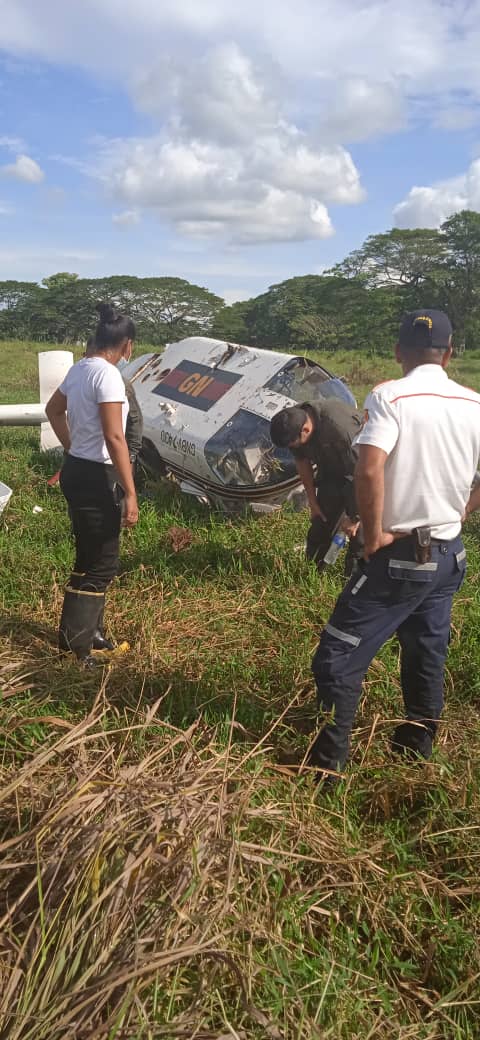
pixel 122 364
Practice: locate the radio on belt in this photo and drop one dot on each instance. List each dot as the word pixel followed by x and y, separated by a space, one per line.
pixel 423 544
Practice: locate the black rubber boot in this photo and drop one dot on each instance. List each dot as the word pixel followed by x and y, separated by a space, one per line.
pixel 79 621
pixel 100 641
pixel 413 740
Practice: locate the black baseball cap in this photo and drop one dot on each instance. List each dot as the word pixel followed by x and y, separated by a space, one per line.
pixel 425 328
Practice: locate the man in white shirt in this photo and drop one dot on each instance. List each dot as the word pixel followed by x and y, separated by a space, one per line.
pixel 418 453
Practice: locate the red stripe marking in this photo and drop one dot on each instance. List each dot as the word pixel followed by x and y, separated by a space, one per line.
pixel 444 397
pixel 214 391
pixel 174 378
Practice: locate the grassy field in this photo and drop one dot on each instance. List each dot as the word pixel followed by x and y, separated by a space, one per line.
pixel 164 873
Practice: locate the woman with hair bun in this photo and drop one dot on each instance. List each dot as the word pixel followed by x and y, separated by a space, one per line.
pixel 88 413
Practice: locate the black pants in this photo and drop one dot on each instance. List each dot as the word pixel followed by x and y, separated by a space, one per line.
pixel 94 500
pixel 333 501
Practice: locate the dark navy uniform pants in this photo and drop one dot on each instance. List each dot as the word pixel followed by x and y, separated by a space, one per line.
pixel 392 593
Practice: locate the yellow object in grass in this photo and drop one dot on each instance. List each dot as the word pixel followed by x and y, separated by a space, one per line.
pixel 112 655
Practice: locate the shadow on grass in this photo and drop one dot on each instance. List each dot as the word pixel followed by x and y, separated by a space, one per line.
pixel 46 677
pixel 26 634
pixel 209 559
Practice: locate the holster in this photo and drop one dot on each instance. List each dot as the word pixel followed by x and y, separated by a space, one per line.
pixel 423 544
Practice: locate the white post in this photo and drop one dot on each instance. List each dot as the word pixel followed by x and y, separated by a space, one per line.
pixel 53 366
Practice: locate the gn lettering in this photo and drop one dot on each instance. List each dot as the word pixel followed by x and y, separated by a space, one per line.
pixel 195 384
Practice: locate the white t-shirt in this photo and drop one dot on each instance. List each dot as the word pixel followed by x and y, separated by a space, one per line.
pixel 429 427
pixel 89 383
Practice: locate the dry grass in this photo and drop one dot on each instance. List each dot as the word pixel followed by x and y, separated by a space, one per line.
pixel 152 876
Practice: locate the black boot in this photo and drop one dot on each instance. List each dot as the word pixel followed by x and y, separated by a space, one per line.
pixel 79 621
pixel 413 740
pixel 100 641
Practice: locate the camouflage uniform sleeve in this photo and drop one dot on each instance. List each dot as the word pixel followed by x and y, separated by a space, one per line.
pixel 340 425
pixel 134 427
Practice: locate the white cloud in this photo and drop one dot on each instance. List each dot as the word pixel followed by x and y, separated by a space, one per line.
pixel 229 163
pixel 12 144
pixel 127 218
pixel 275 190
pixel 5 209
pixel 413 38
pixel 224 95
pixel 24 169
pixel 456 117
pixel 429 206
pixel 359 108
pixel 375 55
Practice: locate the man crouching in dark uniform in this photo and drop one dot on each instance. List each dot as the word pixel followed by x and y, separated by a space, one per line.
pixel 320 439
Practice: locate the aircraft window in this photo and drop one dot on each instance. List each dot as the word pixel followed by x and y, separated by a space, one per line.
pixel 242 454
pixel 302 380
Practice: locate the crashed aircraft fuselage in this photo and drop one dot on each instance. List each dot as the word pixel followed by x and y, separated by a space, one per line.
pixel 207 406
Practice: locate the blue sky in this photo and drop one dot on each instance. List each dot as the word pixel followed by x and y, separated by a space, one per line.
pixel 232 147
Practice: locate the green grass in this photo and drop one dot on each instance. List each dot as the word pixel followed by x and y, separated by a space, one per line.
pixel 164 873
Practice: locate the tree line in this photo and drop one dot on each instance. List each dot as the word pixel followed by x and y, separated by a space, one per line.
pixel 358 303
pixel 62 308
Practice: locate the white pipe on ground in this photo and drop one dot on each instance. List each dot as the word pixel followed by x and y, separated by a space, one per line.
pixel 53 366
pixel 22 414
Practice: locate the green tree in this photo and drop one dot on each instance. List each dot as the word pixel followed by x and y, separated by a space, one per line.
pixel 323 312
pixel 62 280
pixel 460 281
pixel 405 258
pixel 315 331
pixel 230 323
pixel 164 309
pixel 62 309
pixel 269 317
pixel 17 300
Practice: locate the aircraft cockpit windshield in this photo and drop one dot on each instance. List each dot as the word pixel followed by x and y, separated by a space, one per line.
pixel 303 380
pixel 241 453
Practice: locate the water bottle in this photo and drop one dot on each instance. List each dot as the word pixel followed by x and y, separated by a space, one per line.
pixel 337 543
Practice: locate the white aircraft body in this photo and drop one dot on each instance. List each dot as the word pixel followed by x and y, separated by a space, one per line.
pixel 207 406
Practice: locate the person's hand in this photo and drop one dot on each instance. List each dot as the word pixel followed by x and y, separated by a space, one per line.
pixel 349 527
pixel 383 539
pixel 130 511
pixel 315 511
